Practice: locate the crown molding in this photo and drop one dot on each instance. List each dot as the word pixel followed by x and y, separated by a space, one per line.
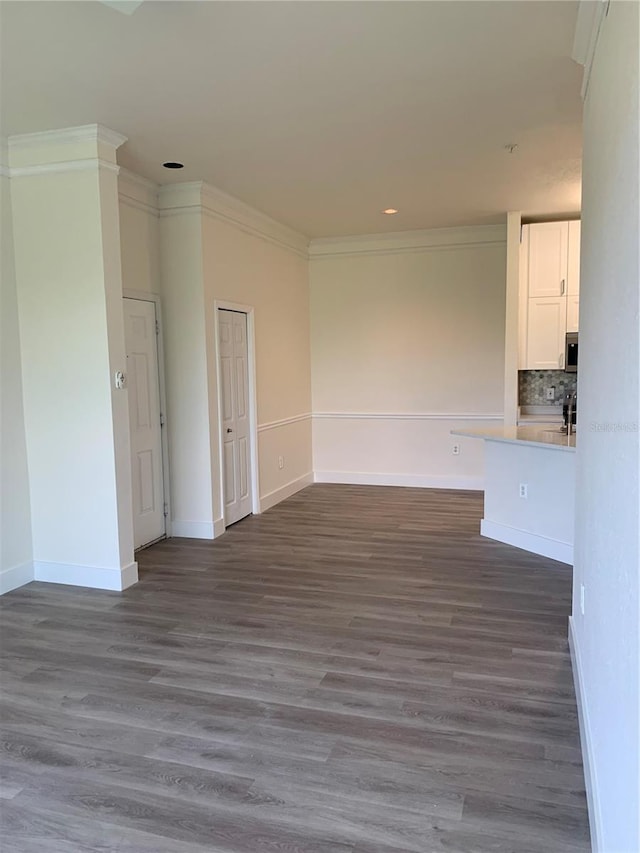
pixel 137 191
pixel 591 14
pixel 68 136
pixel 199 196
pixel 409 241
pixel 90 164
pixel 127 7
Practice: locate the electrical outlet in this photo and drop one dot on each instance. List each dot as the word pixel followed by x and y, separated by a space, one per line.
pixel 524 490
pixel 550 393
pixel 281 462
pixel 582 598
pixel 456 450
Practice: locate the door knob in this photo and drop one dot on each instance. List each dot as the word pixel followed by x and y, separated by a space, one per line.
pixel 229 429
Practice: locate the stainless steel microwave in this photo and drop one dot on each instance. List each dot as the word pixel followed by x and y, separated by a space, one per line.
pixel 571 353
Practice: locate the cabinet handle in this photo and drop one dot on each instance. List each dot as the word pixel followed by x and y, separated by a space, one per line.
pixel 562 288
pixel 561 361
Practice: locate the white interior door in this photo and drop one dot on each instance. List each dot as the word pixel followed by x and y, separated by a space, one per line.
pixel 234 393
pixel 143 381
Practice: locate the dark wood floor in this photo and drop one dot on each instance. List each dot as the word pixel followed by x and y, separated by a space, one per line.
pixel 355 671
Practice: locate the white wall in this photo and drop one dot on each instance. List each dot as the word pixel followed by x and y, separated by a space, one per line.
pixel 605 639
pixel 139 233
pixel 15 534
pixel 406 329
pixel 67 259
pixel 249 269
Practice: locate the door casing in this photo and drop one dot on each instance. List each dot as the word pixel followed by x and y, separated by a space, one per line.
pixel 144 296
pixel 253 422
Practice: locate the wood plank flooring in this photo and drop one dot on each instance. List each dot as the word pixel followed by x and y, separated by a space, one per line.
pixel 355 671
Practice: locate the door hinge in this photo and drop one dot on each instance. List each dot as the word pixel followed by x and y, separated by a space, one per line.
pixel 161 419
pixel 165 510
pixel 157 328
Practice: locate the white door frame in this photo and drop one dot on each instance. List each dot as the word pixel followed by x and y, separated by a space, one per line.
pixel 223 305
pixel 143 296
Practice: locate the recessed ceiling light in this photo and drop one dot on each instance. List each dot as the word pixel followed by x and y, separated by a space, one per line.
pixel 390 211
pixel 171 165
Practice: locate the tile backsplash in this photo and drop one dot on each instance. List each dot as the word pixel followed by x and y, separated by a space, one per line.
pixel 531 385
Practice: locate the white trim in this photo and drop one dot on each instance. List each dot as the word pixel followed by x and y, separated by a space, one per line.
pixel 134 178
pixel 130 201
pixel 199 197
pixel 126 7
pixel 85 165
pixel 543 545
pixel 284 422
pixel 591 14
pixel 586 742
pixel 95 577
pixel 218 527
pixel 69 136
pixel 419 481
pixel 138 192
pixel 409 416
pixel 286 491
pixel 143 296
pixel 222 305
pixel 409 241
pixel 15 577
pixel 192 529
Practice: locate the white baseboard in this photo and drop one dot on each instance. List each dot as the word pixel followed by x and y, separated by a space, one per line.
pixel 218 527
pixel 277 495
pixel 94 577
pixel 552 548
pixel 421 481
pixel 193 529
pixel 590 780
pixel 15 576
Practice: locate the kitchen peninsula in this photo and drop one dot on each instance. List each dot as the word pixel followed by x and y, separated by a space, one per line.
pixel 529 487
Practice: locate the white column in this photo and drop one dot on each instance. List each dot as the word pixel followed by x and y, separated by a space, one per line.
pixel 189 372
pixel 512 320
pixel 67 257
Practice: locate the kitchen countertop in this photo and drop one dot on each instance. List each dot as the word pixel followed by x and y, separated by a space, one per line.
pixel 540 435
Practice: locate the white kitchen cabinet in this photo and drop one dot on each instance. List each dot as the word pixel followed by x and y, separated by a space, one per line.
pixel 548 247
pixel 546 329
pixel 549 287
pixel 573 261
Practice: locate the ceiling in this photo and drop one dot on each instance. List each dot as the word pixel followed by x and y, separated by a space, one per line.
pixel 319 114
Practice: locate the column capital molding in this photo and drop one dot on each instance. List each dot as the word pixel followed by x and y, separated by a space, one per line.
pixel 96 133
pixel 66 149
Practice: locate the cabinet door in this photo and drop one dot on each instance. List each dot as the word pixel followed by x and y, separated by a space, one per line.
pixel 548 245
pixel 573 266
pixel 573 311
pixel 546 333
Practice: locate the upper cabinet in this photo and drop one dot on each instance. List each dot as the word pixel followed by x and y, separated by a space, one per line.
pixel 547 258
pixel 550 287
